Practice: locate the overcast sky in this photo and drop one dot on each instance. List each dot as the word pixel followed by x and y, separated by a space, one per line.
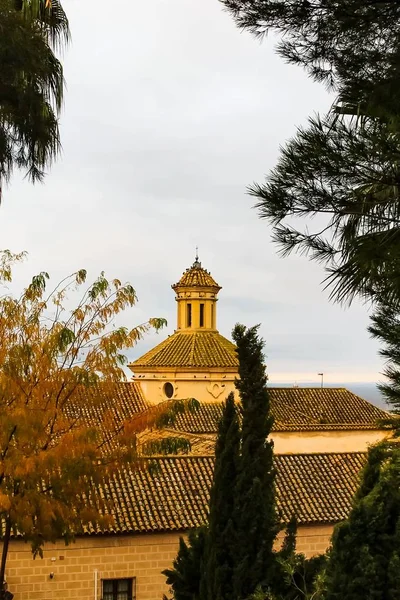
pixel 170 113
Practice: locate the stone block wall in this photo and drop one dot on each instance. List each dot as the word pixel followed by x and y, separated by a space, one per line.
pixel 79 566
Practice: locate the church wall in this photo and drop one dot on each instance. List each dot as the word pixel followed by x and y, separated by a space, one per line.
pixel 205 388
pixel 77 566
pixel 298 442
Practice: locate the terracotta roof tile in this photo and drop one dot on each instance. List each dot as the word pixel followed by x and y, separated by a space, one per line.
pixel 200 444
pixel 191 349
pixel 120 400
pixel 294 409
pixel 317 488
pixel 196 276
pixel 299 409
pixel 322 408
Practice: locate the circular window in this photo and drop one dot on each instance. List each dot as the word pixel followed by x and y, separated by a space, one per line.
pixel 168 389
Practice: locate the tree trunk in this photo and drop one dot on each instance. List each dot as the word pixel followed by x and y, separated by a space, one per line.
pixel 6 543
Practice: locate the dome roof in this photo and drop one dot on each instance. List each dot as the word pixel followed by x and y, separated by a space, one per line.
pixel 194 349
pixel 196 276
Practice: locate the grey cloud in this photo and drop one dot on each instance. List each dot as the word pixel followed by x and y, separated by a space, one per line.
pixel 170 113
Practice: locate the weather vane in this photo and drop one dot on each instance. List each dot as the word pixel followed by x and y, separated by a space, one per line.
pixel 197 263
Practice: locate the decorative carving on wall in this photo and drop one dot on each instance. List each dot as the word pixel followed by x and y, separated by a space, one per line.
pixel 215 389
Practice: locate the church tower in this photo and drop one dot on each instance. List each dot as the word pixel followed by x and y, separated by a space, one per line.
pixel 196 361
pixel 196 297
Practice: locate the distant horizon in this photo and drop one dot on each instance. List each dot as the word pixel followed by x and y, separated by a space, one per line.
pixel 326 383
pixel 331 374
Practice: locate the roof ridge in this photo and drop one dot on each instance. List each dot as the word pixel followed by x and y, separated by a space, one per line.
pixel 307 387
pixel 345 453
pixel 197 457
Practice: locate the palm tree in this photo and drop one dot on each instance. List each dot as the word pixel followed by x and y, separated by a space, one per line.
pixel 51 17
pixel 31 85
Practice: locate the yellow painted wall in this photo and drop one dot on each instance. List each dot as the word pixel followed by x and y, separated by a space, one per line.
pixel 195 297
pixel 325 441
pixel 205 387
pixel 142 556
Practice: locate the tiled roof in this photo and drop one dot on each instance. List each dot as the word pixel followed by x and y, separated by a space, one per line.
pixel 196 276
pixel 326 408
pixel 294 409
pixel 200 444
pixel 173 496
pixel 317 487
pixel 299 409
pixel 121 401
pixel 191 349
pixel 204 420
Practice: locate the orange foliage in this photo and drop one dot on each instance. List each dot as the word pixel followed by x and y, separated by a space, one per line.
pixel 51 362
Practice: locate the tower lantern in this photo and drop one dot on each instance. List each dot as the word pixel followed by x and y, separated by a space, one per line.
pixel 196 296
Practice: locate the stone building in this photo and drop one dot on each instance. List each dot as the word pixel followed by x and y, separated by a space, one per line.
pixel 320 436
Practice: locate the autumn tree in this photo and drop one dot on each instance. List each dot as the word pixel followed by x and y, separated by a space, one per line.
pixel 52 361
pixel 31 84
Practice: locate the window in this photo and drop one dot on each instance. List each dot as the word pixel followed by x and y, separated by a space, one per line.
pixel 168 389
pixel 212 315
pixel 189 316
pixel 119 589
pixel 201 315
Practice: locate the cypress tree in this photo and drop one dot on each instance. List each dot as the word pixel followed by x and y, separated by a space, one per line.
pixel 234 556
pixel 220 547
pixel 184 577
pixel 255 513
pixel 364 561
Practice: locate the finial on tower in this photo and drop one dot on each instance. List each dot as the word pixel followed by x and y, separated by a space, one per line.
pixel 197 263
